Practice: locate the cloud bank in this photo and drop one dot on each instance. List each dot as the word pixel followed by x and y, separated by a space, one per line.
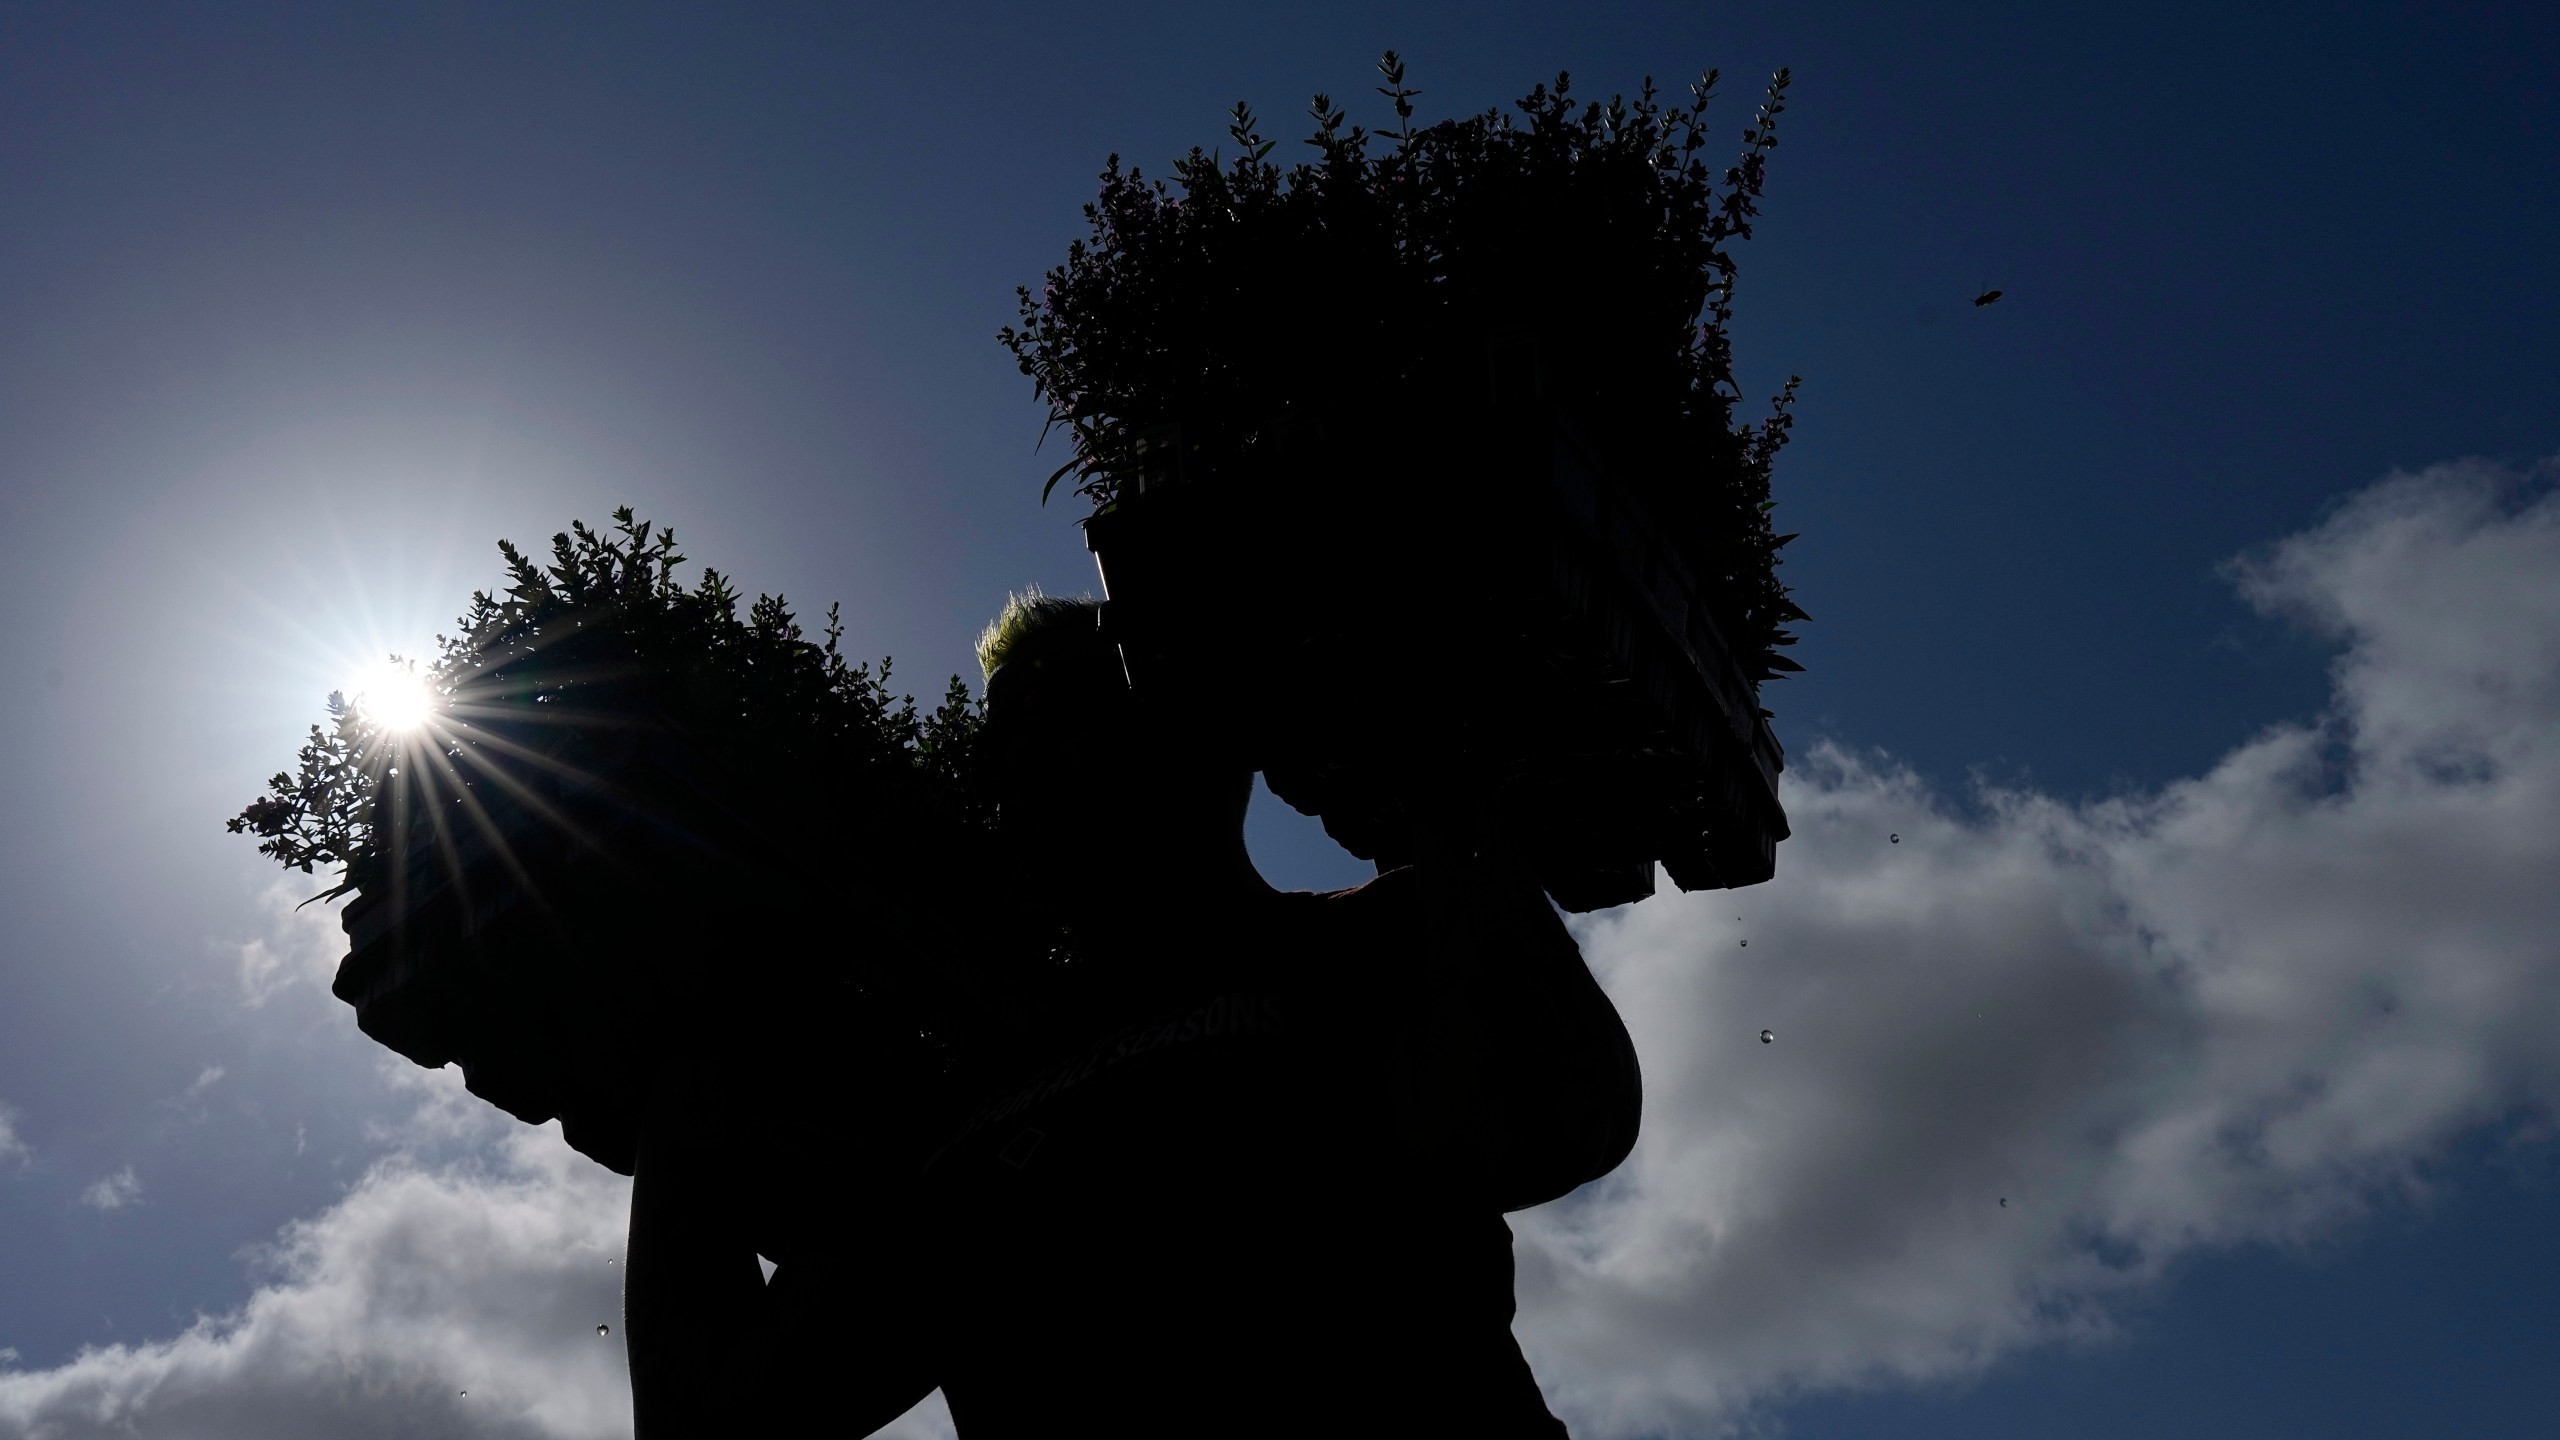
pixel 456 1299
pixel 12 1149
pixel 302 946
pixel 487 1275
pixel 113 1192
pixel 2243 1008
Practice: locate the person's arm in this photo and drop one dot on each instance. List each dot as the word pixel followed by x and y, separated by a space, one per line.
pixel 832 1344
pixel 1529 1064
pixel 691 1285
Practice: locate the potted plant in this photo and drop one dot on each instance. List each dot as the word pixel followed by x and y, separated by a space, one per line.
pixel 642 825
pixel 1420 460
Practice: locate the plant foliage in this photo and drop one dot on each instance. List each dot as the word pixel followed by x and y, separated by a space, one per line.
pixel 1244 306
pixel 605 640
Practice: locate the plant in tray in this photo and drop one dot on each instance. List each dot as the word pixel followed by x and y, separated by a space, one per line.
pixel 1354 300
pixel 572 661
pixel 642 820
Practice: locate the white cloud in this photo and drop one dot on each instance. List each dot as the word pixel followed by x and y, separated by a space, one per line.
pixel 486 1275
pixel 2246 1007
pixel 113 1192
pixel 11 1147
pixel 302 944
pixel 205 1080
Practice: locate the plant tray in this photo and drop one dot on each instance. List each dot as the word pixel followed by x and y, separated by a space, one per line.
pixel 600 925
pixel 494 946
pixel 1509 659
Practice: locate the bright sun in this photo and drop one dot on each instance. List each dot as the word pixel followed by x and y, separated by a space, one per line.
pixel 394 695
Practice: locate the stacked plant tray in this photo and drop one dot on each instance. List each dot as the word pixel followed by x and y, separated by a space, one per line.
pixel 496 943
pixel 1466 636
pixel 591 922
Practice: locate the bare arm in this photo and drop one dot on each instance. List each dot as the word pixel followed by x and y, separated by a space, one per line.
pixel 833 1344
pixel 1525 1065
pixel 691 1286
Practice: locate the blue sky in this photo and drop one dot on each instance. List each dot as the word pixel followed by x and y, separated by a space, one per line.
pixel 2189 613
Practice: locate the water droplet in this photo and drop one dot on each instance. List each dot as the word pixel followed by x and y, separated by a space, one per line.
pixel 466 1394
pixel 1896 839
pixel 604 1329
pixel 1746 943
pixel 1768 1035
pixel 2004 1202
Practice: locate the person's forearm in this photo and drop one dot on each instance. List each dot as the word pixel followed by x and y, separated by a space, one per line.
pixel 1560 1070
pixel 1572 1095
pixel 691 1287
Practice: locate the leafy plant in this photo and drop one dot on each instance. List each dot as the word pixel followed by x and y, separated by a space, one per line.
pixel 1245 307
pixel 605 641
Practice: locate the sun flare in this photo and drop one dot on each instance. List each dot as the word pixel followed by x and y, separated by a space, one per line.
pixel 395 696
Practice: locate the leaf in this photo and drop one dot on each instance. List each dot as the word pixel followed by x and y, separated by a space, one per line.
pixel 1054 477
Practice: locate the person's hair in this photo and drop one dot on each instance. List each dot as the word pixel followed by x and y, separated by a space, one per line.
pixel 1064 637
pixel 1043 625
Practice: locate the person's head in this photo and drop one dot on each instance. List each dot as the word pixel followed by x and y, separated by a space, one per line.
pixel 1080 761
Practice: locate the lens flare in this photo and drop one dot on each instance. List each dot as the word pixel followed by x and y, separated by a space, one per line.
pixel 394 695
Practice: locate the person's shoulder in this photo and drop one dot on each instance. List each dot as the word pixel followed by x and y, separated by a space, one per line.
pixel 1444 888
pixel 1403 886
pixel 1346 925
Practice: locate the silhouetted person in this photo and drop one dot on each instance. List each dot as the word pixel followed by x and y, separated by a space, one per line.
pixel 1250 1176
